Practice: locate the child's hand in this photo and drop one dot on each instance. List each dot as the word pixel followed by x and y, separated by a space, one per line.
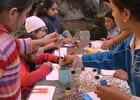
pixel 48 63
pixel 58 44
pixel 107 44
pixel 67 40
pixel 110 93
pixel 67 60
pixel 121 74
pixel 51 37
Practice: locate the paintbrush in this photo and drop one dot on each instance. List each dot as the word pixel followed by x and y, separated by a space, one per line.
pixel 58 50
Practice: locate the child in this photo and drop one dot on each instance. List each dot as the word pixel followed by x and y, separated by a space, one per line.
pixel 12 16
pixel 112 28
pixel 117 39
pixel 47 11
pixel 29 74
pixel 124 56
pixel 37 28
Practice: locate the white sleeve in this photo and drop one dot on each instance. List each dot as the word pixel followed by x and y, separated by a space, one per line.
pixel 135 98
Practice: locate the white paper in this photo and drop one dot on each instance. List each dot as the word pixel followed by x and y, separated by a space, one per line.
pixel 53 75
pixel 42 93
pixel 97 43
pixel 93 95
pixel 108 72
pixel 63 52
pixel 55 66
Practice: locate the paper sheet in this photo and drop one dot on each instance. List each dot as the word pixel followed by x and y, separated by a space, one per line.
pixel 108 72
pixel 42 93
pixel 93 96
pixel 97 43
pixel 63 51
pixel 55 66
pixel 53 75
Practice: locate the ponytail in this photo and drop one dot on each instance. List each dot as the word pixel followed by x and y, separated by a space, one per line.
pixel 40 9
pixel 44 5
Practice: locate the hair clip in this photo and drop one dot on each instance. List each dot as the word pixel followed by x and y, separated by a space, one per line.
pixel 41 4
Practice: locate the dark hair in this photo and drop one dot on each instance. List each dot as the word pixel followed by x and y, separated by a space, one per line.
pixel 30 64
pixel 21 5
pixel 105 0
pixel 44 4
pixel 27 35
pixel 109 14
pixel 131 5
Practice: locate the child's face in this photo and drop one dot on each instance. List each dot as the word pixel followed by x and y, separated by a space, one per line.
pixel 109 23
pixel 53 10
pixel 119 17
pixel 40 33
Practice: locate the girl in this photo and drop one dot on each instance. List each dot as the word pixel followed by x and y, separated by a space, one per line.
pixel 30 74
pixel 37 28
pixel 12 16
pixel 47 11
pixel 117 39
pixel 125 56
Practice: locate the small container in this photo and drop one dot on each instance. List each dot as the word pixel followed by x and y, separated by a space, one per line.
pixel 99 71
pixel 97 77
pixel 72 72
pixel 75 46
pixel 103 82
pixel 67 91
pixel 90 45
pixel 83 69
pixel 94 70
pixel 64 75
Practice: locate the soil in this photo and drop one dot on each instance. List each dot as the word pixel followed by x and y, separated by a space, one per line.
pixel 96 32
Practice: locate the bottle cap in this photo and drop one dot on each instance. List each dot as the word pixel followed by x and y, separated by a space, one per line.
pixel 73 72
pixel 94 70
pixel 103 82
pixel 90 44
pixel 97 77
pixel 67 88
pixel 82 69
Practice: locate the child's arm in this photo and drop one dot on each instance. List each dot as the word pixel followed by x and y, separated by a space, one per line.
pixel 29 78
pixel 46 40
pixel 43 57
pixel 65 33
pixel 27 45
pixel 123 35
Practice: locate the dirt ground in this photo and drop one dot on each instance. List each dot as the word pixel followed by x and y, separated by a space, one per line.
pixel 96 32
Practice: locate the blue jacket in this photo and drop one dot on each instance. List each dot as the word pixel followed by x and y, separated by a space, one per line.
pixel 122 57
pixel 54 23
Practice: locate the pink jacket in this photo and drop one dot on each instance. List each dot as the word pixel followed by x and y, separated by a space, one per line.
pixel 28 79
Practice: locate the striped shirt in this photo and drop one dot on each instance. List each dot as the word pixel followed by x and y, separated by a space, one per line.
pixel 9 64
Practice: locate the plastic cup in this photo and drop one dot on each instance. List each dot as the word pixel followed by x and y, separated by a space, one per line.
pixel 64 75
